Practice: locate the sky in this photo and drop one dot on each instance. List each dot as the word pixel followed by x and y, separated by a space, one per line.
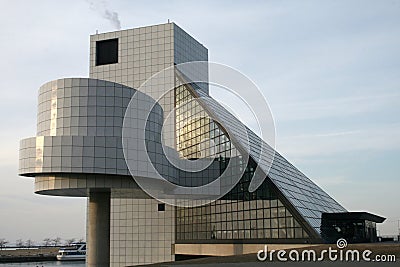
pixel 328 69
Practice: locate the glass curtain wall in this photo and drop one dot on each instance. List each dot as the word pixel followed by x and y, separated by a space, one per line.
pixel 239 214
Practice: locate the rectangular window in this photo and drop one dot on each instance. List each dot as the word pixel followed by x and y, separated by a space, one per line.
pixel 106 52
pixel 161 207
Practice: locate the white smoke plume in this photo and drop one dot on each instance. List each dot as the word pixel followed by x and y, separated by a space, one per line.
pixel 101 7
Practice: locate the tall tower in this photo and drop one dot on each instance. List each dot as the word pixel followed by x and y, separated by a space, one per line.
pixel 130 57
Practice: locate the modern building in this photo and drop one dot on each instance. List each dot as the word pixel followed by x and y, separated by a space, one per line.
pixel 79 152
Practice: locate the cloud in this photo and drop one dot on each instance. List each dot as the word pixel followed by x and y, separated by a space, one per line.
pixel 384 138
pixel 335 107
pixel 101 7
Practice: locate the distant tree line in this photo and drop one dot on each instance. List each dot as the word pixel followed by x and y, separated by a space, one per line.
pixel 47 242
pixel 3 243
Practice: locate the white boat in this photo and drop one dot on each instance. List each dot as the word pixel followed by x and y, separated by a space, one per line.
pixel 76 251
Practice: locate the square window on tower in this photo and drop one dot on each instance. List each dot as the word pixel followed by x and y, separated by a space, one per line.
pixel 106 52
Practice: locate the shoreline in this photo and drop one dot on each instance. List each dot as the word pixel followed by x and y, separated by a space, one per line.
pixel 10 259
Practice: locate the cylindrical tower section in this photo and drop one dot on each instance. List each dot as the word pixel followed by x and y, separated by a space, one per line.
pixel 78 146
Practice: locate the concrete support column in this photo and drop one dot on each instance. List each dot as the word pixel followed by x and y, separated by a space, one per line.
pixel 99 230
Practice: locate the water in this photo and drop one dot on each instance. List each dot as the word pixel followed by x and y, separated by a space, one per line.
pixel 46 264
